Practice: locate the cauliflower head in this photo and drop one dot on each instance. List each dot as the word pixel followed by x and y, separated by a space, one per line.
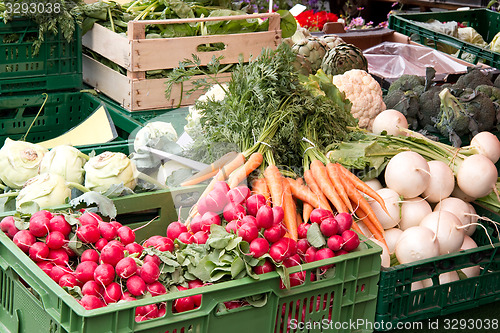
pixel 364 93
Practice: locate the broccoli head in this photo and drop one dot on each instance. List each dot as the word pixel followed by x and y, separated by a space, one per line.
pixel 496 83
pixel 407 82
pixel 429 104
pixel 472 79
pixel 491 91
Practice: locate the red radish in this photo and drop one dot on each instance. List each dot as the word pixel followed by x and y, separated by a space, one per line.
pixel 174 229
pixel 329 227
pixel 55 240
pixel 150 311
pixel 101 243
pixel 46 266
pixel 215 201
pixel 335 242
pixel 195 284
pixel 310 254
pixel 133 248
pixel 112 293
pixel 233 211
pixel 39 251
pixel 116 224
pixel 126 267
pixel 292 261
pixel 152 258
pixel 92 288
pixel 254 203
pixel 266 267
pixel 297 278
pixel 302 230
pixel 202 205
pixel 58 257
pixel 275 233
pixel 238 195
pixel 59 223
pixel 111 254
pixel 104 274
pixel 282 249
pixel 68 280
pixel 156 288
pixel 151 241
pixel 39 225
pixel 195 224
pixel 259 247
pixel 278 214
pixel 127 296
pixel 68 251
pixel 24 239
pixel 85 271
pixel 150 272
pixel 232 227
pixel 302 246
pixel 248 232
pixel 164 244
pixel 57 271
pixel 88 233
pixel 208 219
pixel 126 235
pixel 107 230
pixel 200 237
pixel 324 253
pixel 247 219
pixel 90 302
pixel 116 243
pixel 344 221
pixel 8 225
pixel 221 186
pixel 341 252
pixel 351 240
pixel 44 213
pixel 89 218
pixel 264 217
pixel 184 304
pixel 136 285
pixel 319 214
pixel 186 238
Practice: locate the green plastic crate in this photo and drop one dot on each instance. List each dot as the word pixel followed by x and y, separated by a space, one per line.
pixel 61 112
pixel 398 303
pixel 57 65
pixel 32 302
pixel 485 21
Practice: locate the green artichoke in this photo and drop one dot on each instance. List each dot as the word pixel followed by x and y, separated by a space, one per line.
pixel 343 58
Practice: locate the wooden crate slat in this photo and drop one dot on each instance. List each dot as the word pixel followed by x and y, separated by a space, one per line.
pixel 108 44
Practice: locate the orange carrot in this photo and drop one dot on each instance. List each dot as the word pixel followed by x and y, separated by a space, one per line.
pixel 274 182
pixel 356 227
pixel 308 176
pixel 333 173
pixel 299 218
pixel 224 173
pixel 239 175
pixel 290 210
pixel 362 215
pixel 361 186
pixel 299 181
pixel 306 211
pixel 211 171
pixel 259 186
pixel 321 176
pixel 303 193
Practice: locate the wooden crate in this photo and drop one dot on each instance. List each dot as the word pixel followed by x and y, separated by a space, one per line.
pixel 137 55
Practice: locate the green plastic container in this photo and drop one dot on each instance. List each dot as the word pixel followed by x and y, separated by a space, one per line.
pixel 398 303
pixel 32 302
pixel 57 65
pixel 61 112
pixel 486 22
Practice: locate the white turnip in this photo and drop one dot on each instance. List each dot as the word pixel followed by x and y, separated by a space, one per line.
pixel 477 176
pixel 384 256
pixel 462 210
pixel 413 211
pixel 442 182
pixel 391 121
pixel 392 202
pixel 468 244
pixel 407 173
pixel 446 227
pixel 391 238
pixel 416 243
pixel 487 144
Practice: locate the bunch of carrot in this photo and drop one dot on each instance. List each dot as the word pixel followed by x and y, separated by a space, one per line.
pixel 329 186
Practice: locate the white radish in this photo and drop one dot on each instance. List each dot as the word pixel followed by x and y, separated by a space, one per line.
pixel 374 184
pixel 443 278
pixel 407 173
pixel 391 200
pixel 477 176
pixel 468 244
pixel 458 193
pixel 447 228
pixel 385 256
pixel 391 121
pixel 413 211
pixel 442 182
pixel 487 144
pixel 416 243
pixel 391 238
pixel 461 209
